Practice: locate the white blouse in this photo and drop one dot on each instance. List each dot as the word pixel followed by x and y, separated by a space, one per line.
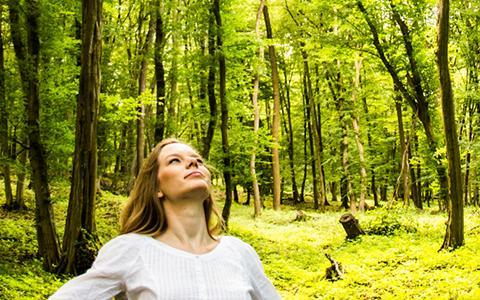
pixel 137 266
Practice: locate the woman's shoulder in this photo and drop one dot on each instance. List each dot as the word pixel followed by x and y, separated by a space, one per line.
pixel 122 248
pixel 129 242
pixel 238 244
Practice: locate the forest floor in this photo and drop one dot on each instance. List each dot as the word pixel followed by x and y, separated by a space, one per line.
pixel 397 259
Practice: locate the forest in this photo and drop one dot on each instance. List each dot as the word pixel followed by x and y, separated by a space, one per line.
pixel 305 110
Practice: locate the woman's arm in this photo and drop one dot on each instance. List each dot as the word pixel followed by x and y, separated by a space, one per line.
pixel 263 288
pixel 106 278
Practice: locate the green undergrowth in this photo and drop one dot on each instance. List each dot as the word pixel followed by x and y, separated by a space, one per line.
pixel 398 257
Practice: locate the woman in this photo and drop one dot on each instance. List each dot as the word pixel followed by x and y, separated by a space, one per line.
pixel 168 248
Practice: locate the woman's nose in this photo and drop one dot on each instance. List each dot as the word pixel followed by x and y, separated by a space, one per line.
pixel 192 162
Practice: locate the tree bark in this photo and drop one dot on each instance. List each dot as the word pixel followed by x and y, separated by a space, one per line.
pixel 78 253
pixel 319 193
pixel 159 74
pixel 256 116
pixel 142 86
pixel 4 153
pixel 276 115
pixel 227 172
pixel 28 61
pixel 212 102
pixel 454 236
pixel 356 130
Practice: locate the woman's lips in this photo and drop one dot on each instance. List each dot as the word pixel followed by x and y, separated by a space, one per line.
pixel 194 174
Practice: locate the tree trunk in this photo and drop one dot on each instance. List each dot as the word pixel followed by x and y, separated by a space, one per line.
pixel 336 88
pixel 227 172
pixel 173 113
pixel 356 129
pixel 159 74
pixel 78 253
pixel 369 139
pixel 28 60
pixel 212 102
pixel 142 86
pixel 289 132
pixel 454 237
pixel 316 194
pixel 276 115
pixel 19 191
pixel 4 153
pixel 404 165
pixel 256 117
pixel 316 130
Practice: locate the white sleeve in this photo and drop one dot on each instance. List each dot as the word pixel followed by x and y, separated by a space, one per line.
pixel 263 289
pixel 106 278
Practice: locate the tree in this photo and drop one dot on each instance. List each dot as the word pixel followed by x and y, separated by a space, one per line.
pixel 78 253
pixel 28 64
pixel 159 73
pixel 454 233
pixel 227 172
pixel 256 115
pixel 4 153
pixel 276 114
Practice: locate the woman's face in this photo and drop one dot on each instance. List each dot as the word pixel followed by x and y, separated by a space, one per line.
pixel 182 174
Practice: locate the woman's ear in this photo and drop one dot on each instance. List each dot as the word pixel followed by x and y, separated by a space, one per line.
pixel 160 194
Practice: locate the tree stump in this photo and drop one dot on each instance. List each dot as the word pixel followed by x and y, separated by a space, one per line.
pixel 335 271
pixel 351 226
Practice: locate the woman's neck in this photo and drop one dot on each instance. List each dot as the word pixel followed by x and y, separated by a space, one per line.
pixel 187 229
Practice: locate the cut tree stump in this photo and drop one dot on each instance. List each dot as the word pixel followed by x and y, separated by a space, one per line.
pixel 351 226
pixel 335 271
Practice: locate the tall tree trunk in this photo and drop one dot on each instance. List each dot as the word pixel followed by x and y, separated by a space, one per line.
pixel 308 107
pixel 212 102
pixel 4 153
pixel 404 166
pixel 276 115
pixel 336 88
pixel 142 86
pixel 78 253
pixel 227 172
pixel 28 60
pixel 369 140
pixel 320 198
pixel 305 155
pixel 159 73
pixel 289 132
pixel 173 113
pixel 454 237
pixel 356 129
pixel 256 116
pixel 19 191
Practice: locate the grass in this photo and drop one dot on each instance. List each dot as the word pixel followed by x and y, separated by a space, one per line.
pixel 399 259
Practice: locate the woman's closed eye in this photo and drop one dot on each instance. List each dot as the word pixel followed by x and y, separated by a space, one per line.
pixel 173 161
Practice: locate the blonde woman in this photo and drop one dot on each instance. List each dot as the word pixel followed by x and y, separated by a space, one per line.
pixel 169 247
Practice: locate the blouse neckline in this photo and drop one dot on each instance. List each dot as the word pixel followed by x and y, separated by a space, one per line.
pixel 184 253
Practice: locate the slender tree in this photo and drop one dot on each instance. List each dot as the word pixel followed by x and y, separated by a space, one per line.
pixel 28 63
pixel 4 153
pixel 227 172
pixel 159 73
pixel 276 114
pixel 257 204
pixel 454 233
pixel 78 254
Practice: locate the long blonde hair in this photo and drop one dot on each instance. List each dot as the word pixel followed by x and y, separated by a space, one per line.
pixel 144 212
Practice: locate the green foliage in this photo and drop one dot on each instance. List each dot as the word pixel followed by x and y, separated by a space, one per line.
pixel 400 263
pixel 389 222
